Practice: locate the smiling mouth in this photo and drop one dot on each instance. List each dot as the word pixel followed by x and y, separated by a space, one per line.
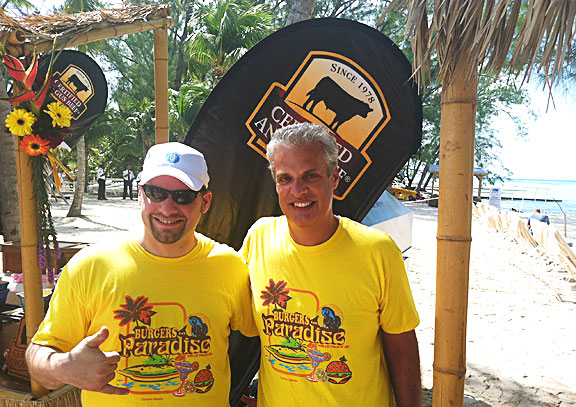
pixel 167 221
pixel 302 204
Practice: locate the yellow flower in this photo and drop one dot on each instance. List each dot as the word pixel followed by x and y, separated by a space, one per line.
pixel 34 145
pixel 60 114
pixel 20 122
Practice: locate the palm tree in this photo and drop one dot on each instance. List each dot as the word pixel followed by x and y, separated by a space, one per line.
pixel 16 5
pixel 301 10
pixel 229 29
pixel 135 310
pixel 76 6
pixel 76 206
pixel 185 105
pixel 9 213
pixel 277 294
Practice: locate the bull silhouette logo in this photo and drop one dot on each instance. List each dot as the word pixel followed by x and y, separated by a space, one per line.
pixel 332 90
pixel 73 88
pixel 344 105
pixel 76 84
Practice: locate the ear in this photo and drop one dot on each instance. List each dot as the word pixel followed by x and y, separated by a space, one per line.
pixel 335 178
pixel 206 200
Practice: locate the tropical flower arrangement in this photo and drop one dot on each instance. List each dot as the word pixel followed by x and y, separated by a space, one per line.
pixel 39 130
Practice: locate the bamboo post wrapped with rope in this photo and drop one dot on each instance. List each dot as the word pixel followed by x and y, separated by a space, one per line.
pixel 459 98
pixel 29 252
pixel 466 34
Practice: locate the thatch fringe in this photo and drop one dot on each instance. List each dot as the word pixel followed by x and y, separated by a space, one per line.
pixel 22 33
pixel 491 34
pixel 66 396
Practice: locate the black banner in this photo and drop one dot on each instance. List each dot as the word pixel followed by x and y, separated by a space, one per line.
pixel 78 83
pixel 339 73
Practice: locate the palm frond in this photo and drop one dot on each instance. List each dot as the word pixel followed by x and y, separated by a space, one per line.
pixel 491 34
pixel 36 29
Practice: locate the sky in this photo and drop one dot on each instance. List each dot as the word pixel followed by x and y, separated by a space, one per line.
pixel 548 151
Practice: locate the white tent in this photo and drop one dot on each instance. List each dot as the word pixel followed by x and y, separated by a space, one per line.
pixel 391 216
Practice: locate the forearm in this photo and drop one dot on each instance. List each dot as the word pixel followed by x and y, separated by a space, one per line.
pixel 46 366
pixel 403 361
pixel 85 366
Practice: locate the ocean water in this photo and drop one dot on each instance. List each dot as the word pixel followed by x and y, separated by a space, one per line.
pixel 528 194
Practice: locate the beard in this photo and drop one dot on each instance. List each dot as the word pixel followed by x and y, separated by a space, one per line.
pixel 167 236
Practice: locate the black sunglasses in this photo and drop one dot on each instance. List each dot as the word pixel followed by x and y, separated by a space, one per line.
pixel 181 197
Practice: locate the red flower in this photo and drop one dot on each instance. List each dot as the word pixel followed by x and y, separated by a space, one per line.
pixel 34 145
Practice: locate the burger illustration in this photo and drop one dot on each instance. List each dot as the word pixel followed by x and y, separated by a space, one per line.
pixel 338 371
pixel 204 380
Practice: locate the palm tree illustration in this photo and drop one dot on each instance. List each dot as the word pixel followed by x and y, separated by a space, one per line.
pixel 134 311
pixel 277 294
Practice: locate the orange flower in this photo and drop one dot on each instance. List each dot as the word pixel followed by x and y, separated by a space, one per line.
pixel 34 145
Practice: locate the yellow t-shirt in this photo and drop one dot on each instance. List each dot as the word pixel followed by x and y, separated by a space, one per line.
pixel 169 318
pixel 319 311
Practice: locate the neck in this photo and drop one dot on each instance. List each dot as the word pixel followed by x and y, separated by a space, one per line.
pixel 168 250
pixel 313 235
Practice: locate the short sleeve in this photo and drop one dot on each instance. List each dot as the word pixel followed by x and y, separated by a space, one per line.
pixel 397 310
pixel 66 322
pixel 242 319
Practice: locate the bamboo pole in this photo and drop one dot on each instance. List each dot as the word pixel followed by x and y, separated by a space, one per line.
pixel 161 82
pixel 29 250
pixel 101 32
pixel 459 100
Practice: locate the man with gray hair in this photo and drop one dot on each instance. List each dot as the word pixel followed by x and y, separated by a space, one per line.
pixel 331 297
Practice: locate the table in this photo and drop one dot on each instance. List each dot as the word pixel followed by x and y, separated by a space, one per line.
pixel 12 259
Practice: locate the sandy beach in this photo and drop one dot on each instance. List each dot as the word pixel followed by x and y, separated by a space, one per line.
pixel 521 341
pixel 521 338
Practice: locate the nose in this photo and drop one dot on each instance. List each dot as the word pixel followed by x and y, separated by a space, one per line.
pixel 168 206
pixel 299 186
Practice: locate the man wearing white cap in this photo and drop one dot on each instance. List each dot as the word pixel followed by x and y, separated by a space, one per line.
pixel 146 321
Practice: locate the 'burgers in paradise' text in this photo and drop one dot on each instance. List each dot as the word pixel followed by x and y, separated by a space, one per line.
pixel 162 341
pixel 301 327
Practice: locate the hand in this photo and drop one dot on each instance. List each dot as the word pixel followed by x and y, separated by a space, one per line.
pixel 89 368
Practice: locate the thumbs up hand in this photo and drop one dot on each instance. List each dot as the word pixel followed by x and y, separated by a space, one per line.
pixel 89 368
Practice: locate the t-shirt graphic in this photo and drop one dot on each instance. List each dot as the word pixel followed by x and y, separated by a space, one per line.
pixel 301 346
pixel 159 358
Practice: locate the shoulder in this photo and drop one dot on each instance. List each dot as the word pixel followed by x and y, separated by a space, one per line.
pixel 265 229
pixel 364 235
pixel 217 250
pixel 263 224
pixel 96 254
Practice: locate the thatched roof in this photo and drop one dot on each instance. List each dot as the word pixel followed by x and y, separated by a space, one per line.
pixel 491 33
pixel 20 35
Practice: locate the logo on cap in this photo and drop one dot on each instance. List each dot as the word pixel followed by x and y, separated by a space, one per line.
pixel 172 158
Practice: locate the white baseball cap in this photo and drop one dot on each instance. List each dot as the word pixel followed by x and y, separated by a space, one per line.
pixel 176 160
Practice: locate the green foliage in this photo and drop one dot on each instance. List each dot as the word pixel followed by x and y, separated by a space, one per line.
pixel 495 97
pixel 358 10
pixel 17 7
pixel 184 106
pixel 226 31
pixel 209 37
